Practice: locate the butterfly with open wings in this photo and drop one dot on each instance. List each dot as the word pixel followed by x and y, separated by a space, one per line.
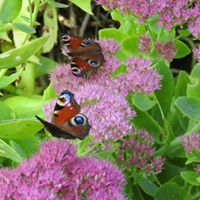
pixel 67 121
pixel 85 55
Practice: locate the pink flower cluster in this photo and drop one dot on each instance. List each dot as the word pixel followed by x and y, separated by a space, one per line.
pixel 191 142
pixel 166 50
pixel 197 168
pixel 139 152
pixel 140 77
pixel 144 44
pixel 101 97
pixel 170 12
pixel 57 173
pixel 196 52
pixel 143 8
pixel 108 112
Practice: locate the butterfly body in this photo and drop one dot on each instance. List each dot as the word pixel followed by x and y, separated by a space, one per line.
pixel 85 55
pixel 67 121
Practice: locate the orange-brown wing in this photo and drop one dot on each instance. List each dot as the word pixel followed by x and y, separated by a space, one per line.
pixel 66 107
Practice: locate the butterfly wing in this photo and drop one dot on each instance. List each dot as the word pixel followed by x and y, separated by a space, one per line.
pixel 67 122
pixel 86 55
pixel 66 107
pixel 55 130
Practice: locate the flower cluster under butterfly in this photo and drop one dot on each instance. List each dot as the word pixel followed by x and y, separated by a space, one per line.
pixel 85 55
pixel 67 121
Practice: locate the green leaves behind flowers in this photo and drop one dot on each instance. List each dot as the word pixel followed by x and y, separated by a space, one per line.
pixel 9 10
pixel 25 107
pixel 182 49
pixel 20 55
pixel 191 177
pixel 7 80
pixel 8 152
pixel 193 88
pixel 19 129
pixel 85 5
pixel 189 106
pixel 171 191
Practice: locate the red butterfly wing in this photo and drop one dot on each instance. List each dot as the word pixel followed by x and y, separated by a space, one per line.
pixel 86 55
pixel 66 108
pixel 67 122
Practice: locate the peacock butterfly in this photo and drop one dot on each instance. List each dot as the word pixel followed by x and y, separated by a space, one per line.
pixel 67 121
pixel 85 55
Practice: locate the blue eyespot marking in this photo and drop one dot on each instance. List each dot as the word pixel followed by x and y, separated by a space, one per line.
pixel 67 96
pixel 79 120
pixel 86 42
pixel 93 63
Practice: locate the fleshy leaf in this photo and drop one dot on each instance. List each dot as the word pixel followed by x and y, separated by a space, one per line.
pixel 20 55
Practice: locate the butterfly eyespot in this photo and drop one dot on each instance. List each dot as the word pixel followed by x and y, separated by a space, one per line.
pixel 79 120
pixel 93 63
pixel 64 99
pixel 86 43
pixel 76 71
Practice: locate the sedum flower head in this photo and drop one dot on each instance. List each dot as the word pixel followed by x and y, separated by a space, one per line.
pixel 166 50
pixel 57 173
pixel 197 169
pixel 140 77
pixel 194 18
pixel 144 44
pixel 191 142
pixel 196 52
pixel 139 152
pixel 170 12
pixel 108 112
pixel 142 8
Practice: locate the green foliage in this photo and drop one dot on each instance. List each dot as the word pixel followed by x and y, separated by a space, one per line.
pixel 168 114
pixel 9 10
pixel 84 5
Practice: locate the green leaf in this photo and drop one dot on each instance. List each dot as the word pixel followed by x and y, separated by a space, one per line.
pixel 111 33
pixel 193 156
pixel 7 152
pixel 9 9
pixel 117 16
pixel 19 129
pixel 24 28
pixel 142 102
pixel 29 145
pixel 182 49
pixel 130 44
pixel 49 93
pixel 119 71
pixel 175 149
pixel 165 94
pixel 7 80
pixel 50 21
pixel 85 5
pixel 57 4
pixel 24 106
pixel 171 191
pixel 189 106
pixel 46 66
pixel 148 186
pixel 184 32
pixel 181 84
pixel 190 177
pixel 4 36
pixel 20 55
pixel 6 112
pixel 193 88
pixel 144 121
pixel 17 148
